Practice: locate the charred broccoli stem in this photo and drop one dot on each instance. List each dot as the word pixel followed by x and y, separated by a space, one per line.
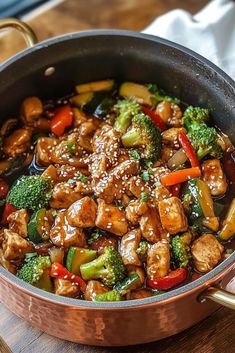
pixel 143 133
pixel 203 138
pixel 126 110
pixel 30 192
pixel 108 267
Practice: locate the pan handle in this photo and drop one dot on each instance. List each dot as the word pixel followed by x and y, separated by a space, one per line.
pixel 28 34
pixel 219 296
pixel 224 294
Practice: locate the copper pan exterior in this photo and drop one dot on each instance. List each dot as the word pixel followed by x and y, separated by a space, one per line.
pixel 94 55
pixel 107 325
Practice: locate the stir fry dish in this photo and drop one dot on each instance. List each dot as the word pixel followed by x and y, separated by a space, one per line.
pixel 115 192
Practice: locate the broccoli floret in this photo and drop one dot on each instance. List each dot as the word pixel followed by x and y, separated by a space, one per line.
pixel 33 269
pixel 180 249
pixel 194 115
pixel 110 296
pixel 202 137
pixel 144 133
pixel 142 250
pixel 160 95
pixel 30 192
pixel 108 267
pixel 126 110
pixel 204 140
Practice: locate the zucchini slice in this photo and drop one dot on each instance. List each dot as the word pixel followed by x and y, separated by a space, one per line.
pixel 78 256
pixel 135 91
pixel 105 85
pixel 35 225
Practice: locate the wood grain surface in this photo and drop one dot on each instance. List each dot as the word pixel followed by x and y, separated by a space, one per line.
pixel 213 335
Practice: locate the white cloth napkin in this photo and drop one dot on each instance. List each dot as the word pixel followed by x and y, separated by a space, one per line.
pixel 211 32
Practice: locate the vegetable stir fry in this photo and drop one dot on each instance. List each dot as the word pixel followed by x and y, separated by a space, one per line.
pixel 117 192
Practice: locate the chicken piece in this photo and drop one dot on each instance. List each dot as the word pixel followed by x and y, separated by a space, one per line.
pixel 139 294
pixel 82 213
pixel 63 234
pixel 85 143
pixel 167 153
pixel 93 288
pixel 111 218
pixel 136 186
pixel 106 140
pixel 64 194
pixel 158 259
pixel 170 136
pixel 42 125
pixel 14 246
pixel 18 142
pixel 170 113
pixel 207 252
pixel 213 175
pixel 102 242
pixel 160 193
pixel 172 215
pixel 150 225
pixel 31 110
pixel 51 173
pixel 68 151
pixel 112 187
pixel 66 172
pixel 7 264
pixel 128 247
pixel 18 222
pixel 134 210
pixel 99 166
pixel 89 127
pixel 158 172
pixel 66 288
pixel 44 147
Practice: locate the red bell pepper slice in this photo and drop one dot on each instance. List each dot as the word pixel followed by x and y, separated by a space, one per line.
pixel 62 119
pixel 8 209
pixel 188 149
pixel 4 188
pixel 180 176
pixel 175 189
pixel 156 119
pixel 172 280
pixel 59 271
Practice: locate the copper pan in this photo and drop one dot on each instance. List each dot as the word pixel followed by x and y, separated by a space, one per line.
pixel 92 55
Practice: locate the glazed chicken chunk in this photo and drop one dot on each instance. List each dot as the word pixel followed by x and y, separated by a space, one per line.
pixel 135 210
pixel 82 213
pixel 207 252
pixel 18 222
pixel 172 215
pixel 93 288
pixel 150 225
pixel 14 246
pixel 129 245
pixel 111 186
pixel 213 175
pixel 63 234
pixel 66 288
pixel 110 218
pixel 158 259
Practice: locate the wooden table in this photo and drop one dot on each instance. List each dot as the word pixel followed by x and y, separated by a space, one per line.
pixel 215 334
